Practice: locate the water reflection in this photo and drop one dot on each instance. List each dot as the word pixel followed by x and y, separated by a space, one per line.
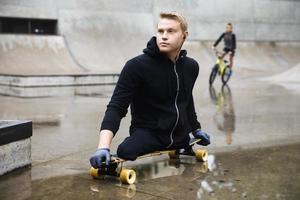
pixel 190 170
pixel 169 167
pixel 224 117
pixel 119 192
pixel 158 171
pixel 216 181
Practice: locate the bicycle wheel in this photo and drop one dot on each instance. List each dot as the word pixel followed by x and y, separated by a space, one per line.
pixel 213 74
pixel 226 75
pixel 226 93
pixel 213 94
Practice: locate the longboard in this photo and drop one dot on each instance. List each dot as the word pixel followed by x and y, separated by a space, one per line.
pixel 128 176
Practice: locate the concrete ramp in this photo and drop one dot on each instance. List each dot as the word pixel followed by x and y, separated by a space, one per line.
pixel 290 79
pixel 104 41
pixel 290 76
pixel 102 35
pixel 34 61
pixel 270 58
pixel 98 49
pixel 36 55
pixel 267 55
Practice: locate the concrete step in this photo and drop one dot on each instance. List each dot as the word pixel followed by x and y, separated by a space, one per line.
pixel 58 80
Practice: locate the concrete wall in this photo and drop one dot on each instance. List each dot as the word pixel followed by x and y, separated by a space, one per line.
pixel 103 34
pixel 271 20
pixel 254 20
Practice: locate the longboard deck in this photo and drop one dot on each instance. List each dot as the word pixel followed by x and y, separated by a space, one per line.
pixel 128 176
pixel 116 159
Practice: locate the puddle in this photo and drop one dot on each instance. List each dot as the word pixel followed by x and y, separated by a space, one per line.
pixel 267 173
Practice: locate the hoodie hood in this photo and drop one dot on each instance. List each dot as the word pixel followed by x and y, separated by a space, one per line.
pixel 153 50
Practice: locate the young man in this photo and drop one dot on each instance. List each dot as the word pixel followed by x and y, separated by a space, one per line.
pixel 229 43
pixel 158 87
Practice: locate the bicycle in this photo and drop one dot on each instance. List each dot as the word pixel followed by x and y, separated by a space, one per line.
pixel 221 68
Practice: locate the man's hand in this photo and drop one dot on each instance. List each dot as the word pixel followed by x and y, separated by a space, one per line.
pixel 101 155
pixel 205 138
pixel 213 48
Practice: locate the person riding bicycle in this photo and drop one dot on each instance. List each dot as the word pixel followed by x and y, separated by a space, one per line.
pixel 158 86
pixel 229 43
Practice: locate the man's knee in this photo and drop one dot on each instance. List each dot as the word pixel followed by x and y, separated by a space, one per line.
pixel 125 152
pixel 139 143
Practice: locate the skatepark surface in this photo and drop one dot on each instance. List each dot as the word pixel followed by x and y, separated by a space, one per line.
pixel 87 53
pixel 254 127
pixel 253 122
pixel 35 55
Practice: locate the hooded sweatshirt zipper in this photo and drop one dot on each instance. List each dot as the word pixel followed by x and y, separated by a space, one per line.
pixel 176 107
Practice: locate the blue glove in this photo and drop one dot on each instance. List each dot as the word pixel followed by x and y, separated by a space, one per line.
pixel 101 155
pixel 205 138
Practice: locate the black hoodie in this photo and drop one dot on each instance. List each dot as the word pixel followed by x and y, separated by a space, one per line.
pixel 148 83
pixel 229 40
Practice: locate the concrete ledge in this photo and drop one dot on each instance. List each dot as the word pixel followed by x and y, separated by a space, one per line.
pixel 15 155
pixel 15 145
pixel 13 130
pixel 57 80
pixel 49 91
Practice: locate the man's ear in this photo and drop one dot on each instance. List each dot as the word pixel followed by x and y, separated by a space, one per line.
pixel 185 34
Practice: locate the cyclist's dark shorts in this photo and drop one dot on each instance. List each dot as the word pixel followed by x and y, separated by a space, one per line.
pixel 226 50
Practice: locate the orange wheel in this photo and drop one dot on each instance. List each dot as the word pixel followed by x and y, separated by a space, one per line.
pixel 127 176
pixel 94 172
pixel 201 155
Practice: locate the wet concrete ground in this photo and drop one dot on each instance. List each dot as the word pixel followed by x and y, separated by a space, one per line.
pixel 264 173
pixel 254 154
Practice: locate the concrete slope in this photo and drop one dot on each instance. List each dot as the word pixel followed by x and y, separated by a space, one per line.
pixel 97 51
pixel 35 55
pixel 103 41
pixel 289 79
pixel 102 35
pixel 290 76
pixel 261 57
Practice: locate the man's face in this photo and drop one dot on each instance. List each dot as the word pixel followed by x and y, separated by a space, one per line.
pixel 169 35
pixel 228 28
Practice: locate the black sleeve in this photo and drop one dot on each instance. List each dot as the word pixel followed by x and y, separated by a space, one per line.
pixel 195 124
pixel 125 89
pixel 233 42
pixel 192 116
pixel 219 40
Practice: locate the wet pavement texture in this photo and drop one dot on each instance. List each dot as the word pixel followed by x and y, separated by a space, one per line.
pixel 264 173
pixel 254 154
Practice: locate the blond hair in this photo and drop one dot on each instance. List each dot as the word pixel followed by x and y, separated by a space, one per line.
pixel 177 17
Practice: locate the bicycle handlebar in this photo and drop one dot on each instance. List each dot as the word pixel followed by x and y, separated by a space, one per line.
pixel 218 53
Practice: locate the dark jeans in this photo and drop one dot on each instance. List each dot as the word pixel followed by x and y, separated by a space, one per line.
pixel 142 141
